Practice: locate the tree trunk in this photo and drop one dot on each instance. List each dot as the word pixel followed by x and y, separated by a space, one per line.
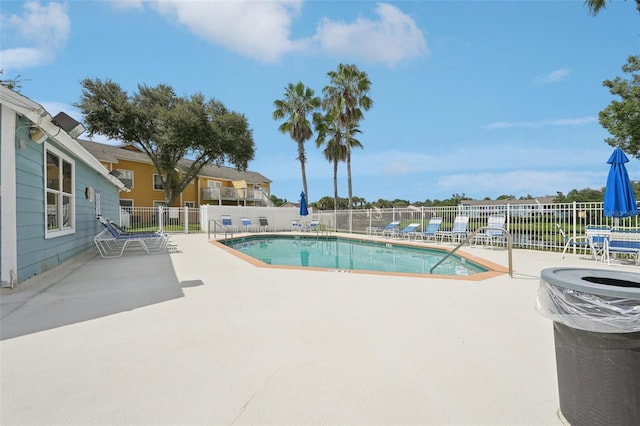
pixel 335 184
pixel 349 173
pixel 302 159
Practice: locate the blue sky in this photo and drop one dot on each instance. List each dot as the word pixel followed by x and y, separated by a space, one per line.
pixel 477 97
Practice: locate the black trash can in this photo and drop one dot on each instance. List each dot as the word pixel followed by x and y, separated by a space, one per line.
pixel 596 323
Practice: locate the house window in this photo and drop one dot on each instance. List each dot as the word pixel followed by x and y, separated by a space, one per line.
pixel 157 183
pixel 126 205
pixel 157 203
pixel 189 204
pixel 59 189
pixel 126 177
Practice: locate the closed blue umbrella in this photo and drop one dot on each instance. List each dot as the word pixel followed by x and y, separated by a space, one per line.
pixel 619 200
pixel 304 211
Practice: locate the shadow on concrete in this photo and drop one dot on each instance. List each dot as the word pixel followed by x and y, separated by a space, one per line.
pixel 87 288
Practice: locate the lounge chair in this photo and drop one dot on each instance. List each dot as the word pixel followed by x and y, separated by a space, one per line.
pixel 296 225
pixel 407 231
pixel 622 242
pixel 390 229
pixel 430 232
pixel 458 231
pixel 247 226
pixel 113 240
pixel 593 240
pixel 492 233
pixel 314 225
pixel 228 223
pixel 264 224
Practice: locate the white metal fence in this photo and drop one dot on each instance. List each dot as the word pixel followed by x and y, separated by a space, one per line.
pixel 532 226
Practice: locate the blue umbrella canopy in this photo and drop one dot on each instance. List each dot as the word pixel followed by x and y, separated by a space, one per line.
pixel 619 200
pixel 304 211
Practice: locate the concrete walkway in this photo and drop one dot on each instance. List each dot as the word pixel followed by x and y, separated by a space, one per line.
pixel 199 337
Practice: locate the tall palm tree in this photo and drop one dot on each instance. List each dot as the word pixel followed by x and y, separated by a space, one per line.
pixel 596 5
pixel 345 99
pixel 298 102
pixel 335 151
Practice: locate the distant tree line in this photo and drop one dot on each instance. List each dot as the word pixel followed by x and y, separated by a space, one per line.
pixel 578 195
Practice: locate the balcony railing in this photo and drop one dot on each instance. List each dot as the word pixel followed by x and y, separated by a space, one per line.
pixel 250 195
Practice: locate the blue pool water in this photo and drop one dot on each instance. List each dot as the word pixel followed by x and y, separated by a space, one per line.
pixel 349 254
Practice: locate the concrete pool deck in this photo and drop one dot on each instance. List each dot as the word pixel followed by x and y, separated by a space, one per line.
pixel 197 336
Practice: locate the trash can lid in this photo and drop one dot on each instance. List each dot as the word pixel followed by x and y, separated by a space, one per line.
pixel 602 282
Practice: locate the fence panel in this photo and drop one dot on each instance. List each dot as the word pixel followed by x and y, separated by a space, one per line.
pixel 165 219
pixel 532 226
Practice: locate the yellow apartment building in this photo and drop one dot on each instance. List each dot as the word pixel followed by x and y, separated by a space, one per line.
pixel 213 185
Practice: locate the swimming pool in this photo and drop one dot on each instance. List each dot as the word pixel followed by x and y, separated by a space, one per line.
pixel 346 254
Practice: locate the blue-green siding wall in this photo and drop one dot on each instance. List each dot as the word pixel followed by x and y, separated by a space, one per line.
pixel 35 253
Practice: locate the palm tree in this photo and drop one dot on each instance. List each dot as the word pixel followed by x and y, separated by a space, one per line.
pixel 335 150
pixel 297 103
pixel 596 5
pixel 344 99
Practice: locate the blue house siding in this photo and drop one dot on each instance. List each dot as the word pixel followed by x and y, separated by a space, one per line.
pixel 27 247
pixel 36 253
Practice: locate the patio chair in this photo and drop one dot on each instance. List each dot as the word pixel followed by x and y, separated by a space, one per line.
pixel 407 231
pixel 622 242
pixel 593 240
pixel 493 232
pixel 247 226
pixel 458 231
pixel 296 225
pixel 314 225
pixel 390 229
pixel 228 223
pixel 264 224
pixel 432 227
pixel 113 240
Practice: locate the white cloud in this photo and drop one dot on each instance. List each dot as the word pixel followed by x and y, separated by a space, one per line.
pixel 552 77
pixel 43 29
pixel 263 29
pixel 543 123
pixel 257 29
pixel 392 38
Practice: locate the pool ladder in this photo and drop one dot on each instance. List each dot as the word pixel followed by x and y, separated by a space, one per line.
pixel 473 234
pixel 217 224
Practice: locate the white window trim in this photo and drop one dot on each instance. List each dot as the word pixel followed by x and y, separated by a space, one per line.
pixel 193 204
pixel 72 229
pixel 128 199
pixel 159 203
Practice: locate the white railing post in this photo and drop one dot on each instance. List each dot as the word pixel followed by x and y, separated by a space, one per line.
pixel 574 215
pixel 160 211
pixel 186 220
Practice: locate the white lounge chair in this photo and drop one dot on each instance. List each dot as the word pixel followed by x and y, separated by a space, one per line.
pixel 593 240
pixel 247 226
pixel 458 231
pixel 228 223
pixel 390 229
pixel 407 231
pixel 493 232
pixel 432 228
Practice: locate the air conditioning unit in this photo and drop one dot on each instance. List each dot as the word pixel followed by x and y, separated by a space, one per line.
pixel 37 135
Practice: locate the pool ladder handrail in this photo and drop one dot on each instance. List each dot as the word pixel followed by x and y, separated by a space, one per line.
pixel 216 224
pixel 473 234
